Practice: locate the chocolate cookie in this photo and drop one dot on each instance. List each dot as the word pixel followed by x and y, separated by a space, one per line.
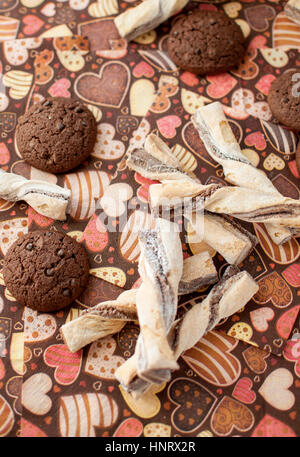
pixel 284 99
pixel 56 135
pixel 46 270
pixel 206 42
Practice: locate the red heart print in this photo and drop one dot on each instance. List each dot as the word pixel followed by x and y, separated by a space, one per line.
pixel 143 190
pixel 143 69
pixel 167 125
pixel 189 79
pixel 257 140
pixel 60 88
pixel 28 430
pixel 292 275
pixel 264 84
pixel 243 391
pixel 130 427
pixel 259 41
pixel 95 235
pixel 293 168
pixel 32 24
pixel 291 352
pixel 4 154
pixel 67 364
pixel 220 85
pixel 2 369
pixel 269 426
pixel 286 322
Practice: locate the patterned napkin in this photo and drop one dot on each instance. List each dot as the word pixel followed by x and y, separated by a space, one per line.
pixel 32 69
pixel 66 394
pixel 265 23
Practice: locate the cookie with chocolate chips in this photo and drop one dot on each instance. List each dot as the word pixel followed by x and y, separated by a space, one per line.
pixel 284 99
pixel 56 135
pixel 46 270
pixel 206 42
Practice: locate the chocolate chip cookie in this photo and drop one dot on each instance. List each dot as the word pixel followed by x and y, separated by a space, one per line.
pixel 206 42
pixel 46 270
pixel 284 99
pixel 56 135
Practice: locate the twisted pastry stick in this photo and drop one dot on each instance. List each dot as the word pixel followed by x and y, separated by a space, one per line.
pixel 240 202
pixel 157 148
pixel 146 16
pixel 232 292
pixel 46 198
pixel 109 317
pixel 292 10
pixel 198 271
pixel 160 267
pixel 100 321
pixel 153 168
pixel 227 237
pixel 221 144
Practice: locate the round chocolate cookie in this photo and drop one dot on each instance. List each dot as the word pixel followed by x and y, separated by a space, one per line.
pixel 56 135
pixel 284 99
pixel 206 42
pixel 46 270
